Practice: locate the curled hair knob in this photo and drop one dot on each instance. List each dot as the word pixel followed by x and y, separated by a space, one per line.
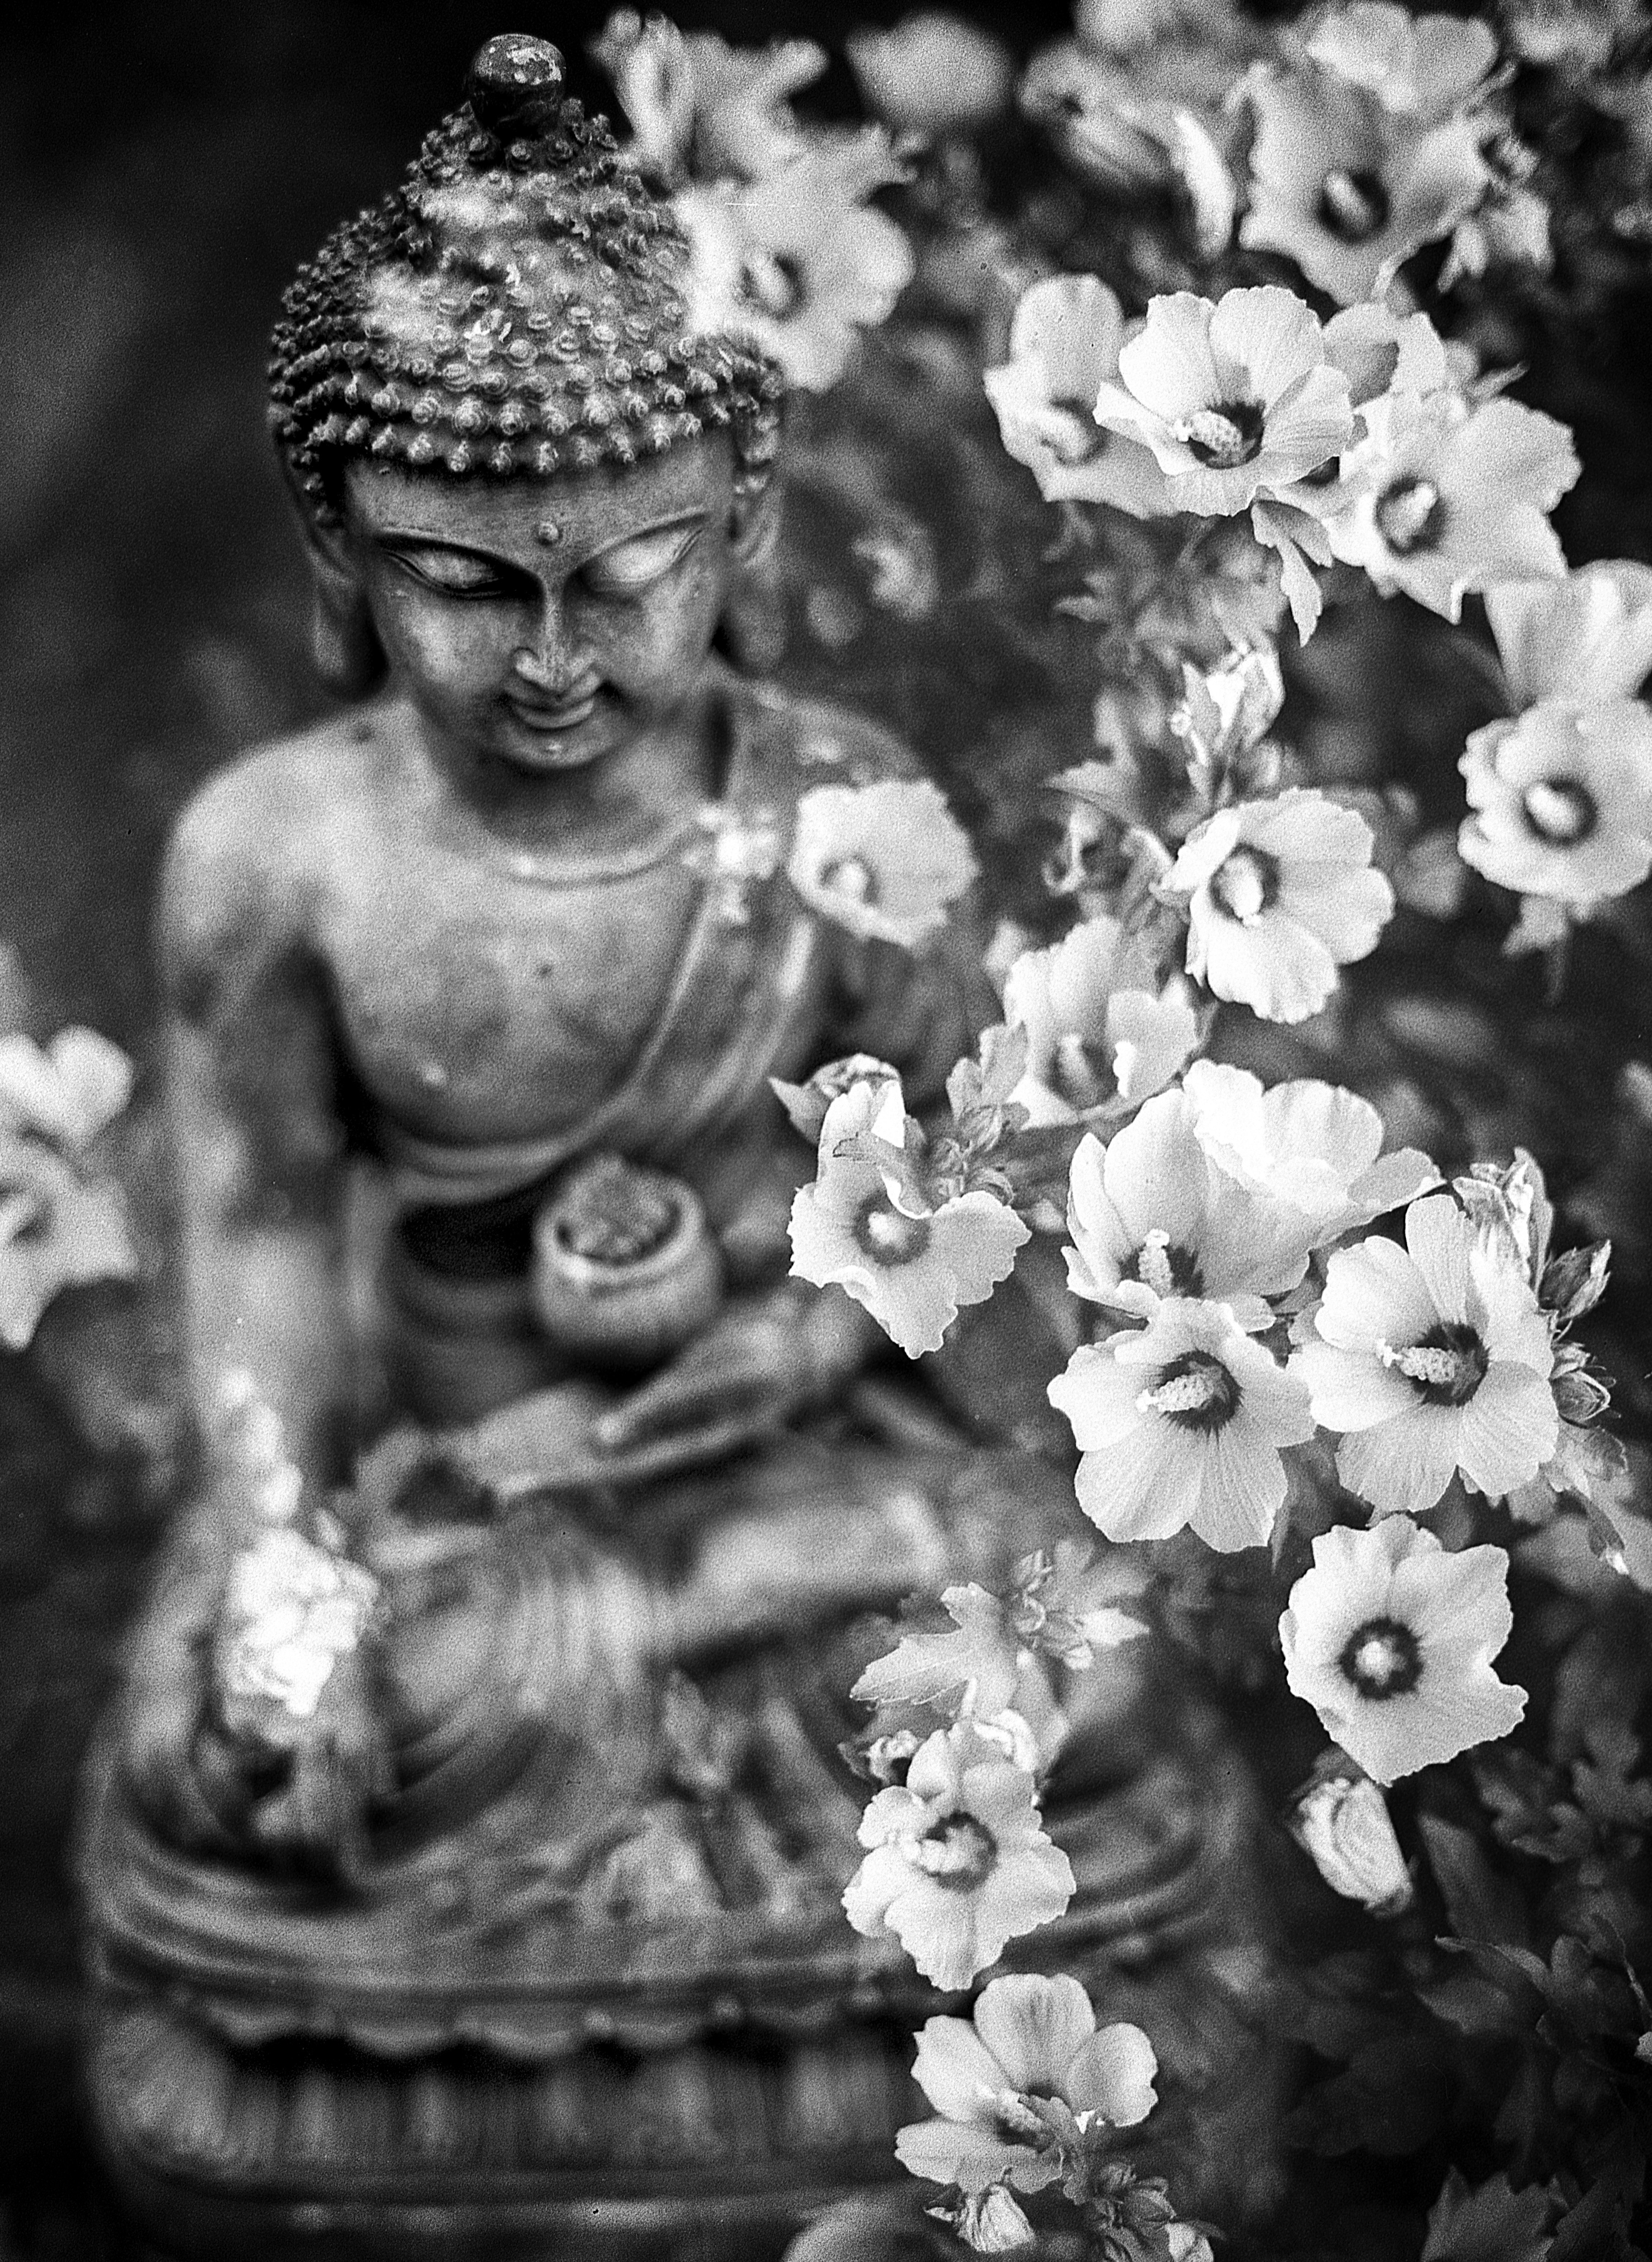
pixel 515 85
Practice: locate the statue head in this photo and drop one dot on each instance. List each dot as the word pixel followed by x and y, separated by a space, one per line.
pixel 496 356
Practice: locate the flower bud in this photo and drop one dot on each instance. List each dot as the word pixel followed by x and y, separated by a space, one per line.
pixel 1342 1823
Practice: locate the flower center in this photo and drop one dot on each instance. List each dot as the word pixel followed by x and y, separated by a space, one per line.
pixel 1353 206
pixel 1225 436
pixel 887 1234
pixel 1195 1392
pixel 1014 2118
pixel 1165 1267
pixel 851 876
pixel 1411 515
pixel 1245 884
pixel 1080 439
pixel 1560 810
pixel 1082 1080
pixel 958 1852
pixel 1381 1658
pixel 1446 1367
pixel 772 282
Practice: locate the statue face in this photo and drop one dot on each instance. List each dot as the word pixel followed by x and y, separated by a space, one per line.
pixel 544 623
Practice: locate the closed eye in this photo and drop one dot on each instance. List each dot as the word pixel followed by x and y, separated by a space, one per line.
pixel 630 567
pixel 454 572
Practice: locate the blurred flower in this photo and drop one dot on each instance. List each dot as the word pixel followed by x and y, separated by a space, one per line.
pixel 1455 497
pixel 1152 1216
pixel 883 860
pixel 290 1610
pixel 932 74
pixel 799 261
pixel 1279 894
pixel 1235 397
pixel 1136 27
pixel 1509 228
pixel 1416 66
pixel 58 1230
pixel 1563 801
pixel 1181 1423
pixel 66 1092
pixel 1390 1639
pixel 1380 351
pixel 1315 1148
pixel 1342 1823
pixel 1152 120
pixel 959 1863
pixel 1063 347
pixel 1585 638
pixel 1349 187
pixel 698 106
pixel 1029 2039
pixel 1430 1360
pixel 1098 1028
pixel 910 1266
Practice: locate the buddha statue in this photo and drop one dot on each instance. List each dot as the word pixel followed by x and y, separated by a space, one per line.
pixel 463 1863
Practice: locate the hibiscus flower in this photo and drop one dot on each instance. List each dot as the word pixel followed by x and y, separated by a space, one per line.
pixel 1453 497
pixel 1584 639
pixel 883 860
pixel 958 1862
pixel 1279 894
pixel 861 1227
pixel 1430 1360
pixel 1064 347
pixel 65 1091
pixel 1561 800
pixel 1349 187
pixel 1390 1639
pixel 1181 1423
pixel 1152 1216
pixel 1029 2039
pixel 1235 399
pixel 798 263
pixel 697 105
pixel 1313 1147
pixel 1098 1028
pixel 931 75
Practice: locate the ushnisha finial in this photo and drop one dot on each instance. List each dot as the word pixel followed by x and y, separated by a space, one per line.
pixel 518 307
pixel 514 85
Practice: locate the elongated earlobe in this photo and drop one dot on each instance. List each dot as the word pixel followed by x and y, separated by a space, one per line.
pixel 343 642
pixel 751 632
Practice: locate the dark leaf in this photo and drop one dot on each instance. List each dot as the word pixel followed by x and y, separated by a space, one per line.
pixel 1481 1906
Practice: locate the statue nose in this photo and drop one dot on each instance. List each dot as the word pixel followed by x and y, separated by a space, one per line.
pixel 548 662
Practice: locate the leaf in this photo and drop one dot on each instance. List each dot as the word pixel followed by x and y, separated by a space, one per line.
pixel 979 1655
pixel 1481 1906
pixel 1491 2224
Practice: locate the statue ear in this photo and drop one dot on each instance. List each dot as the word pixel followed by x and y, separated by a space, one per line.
pixel 343 642
pixel 751 633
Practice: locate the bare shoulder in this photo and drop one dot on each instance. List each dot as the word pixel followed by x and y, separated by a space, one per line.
pixel 251 851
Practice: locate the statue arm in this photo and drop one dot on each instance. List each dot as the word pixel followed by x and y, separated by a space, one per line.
pixel 256 1142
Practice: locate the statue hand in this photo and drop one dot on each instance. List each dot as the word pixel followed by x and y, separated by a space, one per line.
pixel 764 1357
pixel 318 1816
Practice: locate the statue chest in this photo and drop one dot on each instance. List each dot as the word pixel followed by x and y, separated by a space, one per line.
pixel 474 1005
